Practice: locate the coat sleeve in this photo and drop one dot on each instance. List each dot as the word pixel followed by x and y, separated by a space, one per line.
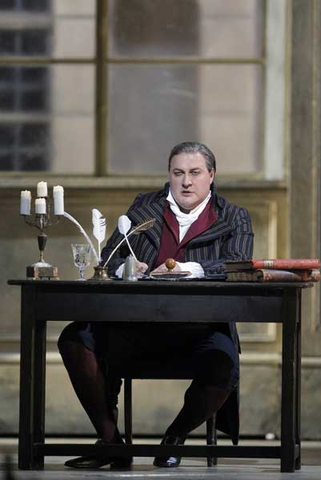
pixel 237 245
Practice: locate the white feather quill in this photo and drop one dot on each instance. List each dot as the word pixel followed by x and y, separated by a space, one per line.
pixel 124 225
pixel 99 227
pixel 135 231
pixel 82 230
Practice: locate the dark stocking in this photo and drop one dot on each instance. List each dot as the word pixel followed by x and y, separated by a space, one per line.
pixel 200 403
pixel 90 386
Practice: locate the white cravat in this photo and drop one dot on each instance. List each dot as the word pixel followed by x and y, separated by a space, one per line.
pixel 185 220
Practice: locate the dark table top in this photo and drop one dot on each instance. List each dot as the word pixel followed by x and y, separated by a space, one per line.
pixel 146 284
pixel 159 300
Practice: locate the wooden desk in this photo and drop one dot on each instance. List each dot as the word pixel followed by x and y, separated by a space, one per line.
pixel 155 301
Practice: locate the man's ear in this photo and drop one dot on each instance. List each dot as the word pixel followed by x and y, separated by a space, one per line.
pixel 212 173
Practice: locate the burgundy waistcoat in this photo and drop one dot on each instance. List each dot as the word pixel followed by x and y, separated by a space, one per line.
pixel 170 246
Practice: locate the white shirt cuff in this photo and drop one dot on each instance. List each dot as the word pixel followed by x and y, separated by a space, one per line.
pixel 120 270
pixel 195 268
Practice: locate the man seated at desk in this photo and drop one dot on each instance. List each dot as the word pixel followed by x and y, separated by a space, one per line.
pixel 199 230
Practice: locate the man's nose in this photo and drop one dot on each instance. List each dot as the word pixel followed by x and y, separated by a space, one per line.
pixel 186 180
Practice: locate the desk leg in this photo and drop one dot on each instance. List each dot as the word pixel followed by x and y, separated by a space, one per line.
pixel 298 385
pixel 128 410
pixel 26 413
pixel 288 414
pixel 39 371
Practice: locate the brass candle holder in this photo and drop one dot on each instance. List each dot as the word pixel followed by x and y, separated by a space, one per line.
pixel 41 269
pixel 100 274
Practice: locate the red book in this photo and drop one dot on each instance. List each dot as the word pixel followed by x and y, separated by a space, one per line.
pixel 277 264
pixel 271 275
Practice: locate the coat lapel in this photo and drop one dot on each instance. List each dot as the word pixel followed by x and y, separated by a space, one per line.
pixel 145 212
pixel 219 229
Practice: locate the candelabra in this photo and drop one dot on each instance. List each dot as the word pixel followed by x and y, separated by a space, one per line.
pixel 42 220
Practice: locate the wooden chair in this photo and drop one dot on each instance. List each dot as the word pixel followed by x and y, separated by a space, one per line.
pixel 211 434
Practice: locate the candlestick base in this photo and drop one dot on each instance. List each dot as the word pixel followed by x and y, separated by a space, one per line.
pixel 100 275
pixel 42 270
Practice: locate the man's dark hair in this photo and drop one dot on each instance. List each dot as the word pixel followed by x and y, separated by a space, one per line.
pixel 194 147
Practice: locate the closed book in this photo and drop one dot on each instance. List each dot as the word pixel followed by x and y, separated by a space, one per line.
pixel 276 263
pixel 271 275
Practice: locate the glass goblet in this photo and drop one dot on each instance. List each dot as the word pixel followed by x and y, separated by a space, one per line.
pixel 81 253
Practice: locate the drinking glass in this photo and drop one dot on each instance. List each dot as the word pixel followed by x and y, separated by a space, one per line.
pixel 81 254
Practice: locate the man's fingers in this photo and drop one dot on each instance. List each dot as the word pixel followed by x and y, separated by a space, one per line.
pixel 163 269
pixel 141 266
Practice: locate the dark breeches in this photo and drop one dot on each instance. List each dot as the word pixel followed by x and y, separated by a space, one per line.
pixel 206 355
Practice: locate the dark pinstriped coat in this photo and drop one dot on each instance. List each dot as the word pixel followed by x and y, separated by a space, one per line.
pixel 230 237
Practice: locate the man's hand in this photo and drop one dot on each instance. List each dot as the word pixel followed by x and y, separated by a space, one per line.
pixel 163 269
pixel 141 267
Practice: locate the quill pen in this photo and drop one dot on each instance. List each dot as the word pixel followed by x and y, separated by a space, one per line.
pixel 99 227
pixel 82 230
pixel 124 225
pixel 140 228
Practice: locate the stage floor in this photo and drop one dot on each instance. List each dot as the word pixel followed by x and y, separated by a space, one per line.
pixel 190 469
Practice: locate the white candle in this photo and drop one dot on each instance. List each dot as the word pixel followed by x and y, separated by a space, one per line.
pixel 42 189
pixel 40 205
pixel 25 202
pixel 58 196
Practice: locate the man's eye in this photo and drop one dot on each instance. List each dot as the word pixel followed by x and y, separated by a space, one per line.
pixel 177 174
pixel 195 173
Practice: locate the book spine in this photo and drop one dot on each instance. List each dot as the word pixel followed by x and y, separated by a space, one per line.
pixel 287 263
pixel 315 276
pixel 244 276
pixel 271 275
pixel 308 275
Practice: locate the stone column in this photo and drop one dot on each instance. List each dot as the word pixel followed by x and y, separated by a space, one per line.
pixel 304 182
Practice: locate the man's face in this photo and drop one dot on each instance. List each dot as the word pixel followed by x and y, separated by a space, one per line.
pixel 189 180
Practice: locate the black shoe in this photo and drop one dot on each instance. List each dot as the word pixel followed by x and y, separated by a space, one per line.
pixel 97 461
pixel 167 462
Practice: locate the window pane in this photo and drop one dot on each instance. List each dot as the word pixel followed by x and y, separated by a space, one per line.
pixel 203 28
pixel 24 89
pixel 7 42
pixel 7 5
pixel 59 29
pixel 25 5
pixel 25 146
pixel 35 5
pixel 24 42
pixel 34 42
pixel 48 121
pixel 164 105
